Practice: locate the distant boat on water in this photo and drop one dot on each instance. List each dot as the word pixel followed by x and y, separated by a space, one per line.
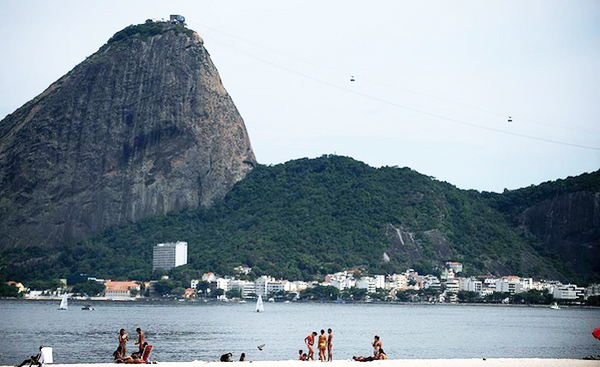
pixel 259 304
pixel 88 308
pixel 555 306
pixel 64 304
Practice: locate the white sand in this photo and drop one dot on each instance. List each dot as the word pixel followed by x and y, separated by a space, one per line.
pixel 491 362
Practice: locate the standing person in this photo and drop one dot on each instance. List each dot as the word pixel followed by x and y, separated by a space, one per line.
pixel 141 339
pixel 376 345
pixel 310 341
pixel 329 345
pixel 123 339
pixel 322 345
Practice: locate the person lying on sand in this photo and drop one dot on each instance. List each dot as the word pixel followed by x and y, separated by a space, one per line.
pixel 227 357
pixel 379 356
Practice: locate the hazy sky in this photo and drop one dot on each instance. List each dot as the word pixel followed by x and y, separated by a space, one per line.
pixel 435 81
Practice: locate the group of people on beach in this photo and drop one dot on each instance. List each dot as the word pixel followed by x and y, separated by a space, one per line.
pixel 138 357
pixel 325 343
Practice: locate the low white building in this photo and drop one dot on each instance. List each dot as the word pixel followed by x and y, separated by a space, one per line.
pixel 567 291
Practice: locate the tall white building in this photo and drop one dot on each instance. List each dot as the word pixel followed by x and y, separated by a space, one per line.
pixel 169 255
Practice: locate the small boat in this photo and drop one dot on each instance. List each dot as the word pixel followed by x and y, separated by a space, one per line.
pixel 88 308
pixel 64 303
pixel 555 306
pixel 271 300
pixel 242 301
pixel 259 304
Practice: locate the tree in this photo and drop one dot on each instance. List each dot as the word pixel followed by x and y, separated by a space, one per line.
pixel 468 296
pixel 8 290
pixel 322 293
pixel 89 288
pixel 234 293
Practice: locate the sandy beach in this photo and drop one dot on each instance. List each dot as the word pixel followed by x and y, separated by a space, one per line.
pixel 491 362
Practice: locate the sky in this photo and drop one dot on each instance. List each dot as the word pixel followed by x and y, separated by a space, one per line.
pixel 434 81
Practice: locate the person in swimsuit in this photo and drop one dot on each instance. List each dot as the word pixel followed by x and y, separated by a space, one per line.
pixel 123 339
pixel 329 345
pixel 300 355
pixel 243 357
pixel 310 341
pixel 376 345
pixel 322 345
pixel 141 339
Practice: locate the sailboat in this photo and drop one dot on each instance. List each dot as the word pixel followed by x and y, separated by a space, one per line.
pixel 259 304
pixel 63 302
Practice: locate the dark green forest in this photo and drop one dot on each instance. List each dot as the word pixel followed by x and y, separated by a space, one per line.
pixel 309 217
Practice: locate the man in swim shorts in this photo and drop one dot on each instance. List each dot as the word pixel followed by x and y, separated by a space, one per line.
pixel 329 345
pixel 310 341
pixel 376 345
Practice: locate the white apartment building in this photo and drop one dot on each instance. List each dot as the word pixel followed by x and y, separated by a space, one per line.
pixel 246 287
pixel 452 285
pixel 592 290
pixel 396 281
pixel 470 285
pixel 367 283
pixel 224 284
pixel 380 281
pixel 567 291
pixel 509 284
pixel 431 281
pixel 261 285
pixel 169 255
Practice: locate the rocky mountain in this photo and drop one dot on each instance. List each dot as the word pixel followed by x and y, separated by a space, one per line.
pixel 310 217
pixel 142 127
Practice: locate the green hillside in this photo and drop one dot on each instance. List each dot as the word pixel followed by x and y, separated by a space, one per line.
pixel 310 217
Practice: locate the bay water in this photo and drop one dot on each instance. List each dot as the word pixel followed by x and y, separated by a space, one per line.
pixel 188 331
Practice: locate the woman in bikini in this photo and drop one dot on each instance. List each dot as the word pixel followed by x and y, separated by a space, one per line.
pixel 329 345
pixel 322 345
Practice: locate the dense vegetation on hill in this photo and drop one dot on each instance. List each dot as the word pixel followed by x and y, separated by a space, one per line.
pixel 309 217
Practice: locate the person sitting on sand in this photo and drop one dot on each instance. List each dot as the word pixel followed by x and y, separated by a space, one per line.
pixel 243 357
pixel 300 353
pixel 226 357
pixel 33 360
pixel 310 341
pixel 376 345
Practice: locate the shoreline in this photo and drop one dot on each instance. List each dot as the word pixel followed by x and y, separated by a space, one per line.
pixel 479 362
pixel 201 301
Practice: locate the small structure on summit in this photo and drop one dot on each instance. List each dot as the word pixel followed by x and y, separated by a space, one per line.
pixel 176 18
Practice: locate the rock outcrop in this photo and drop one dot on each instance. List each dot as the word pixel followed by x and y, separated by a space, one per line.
pixel 142 127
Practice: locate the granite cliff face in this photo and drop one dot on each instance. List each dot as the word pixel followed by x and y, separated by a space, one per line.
pixel 142 127
pixel 569 226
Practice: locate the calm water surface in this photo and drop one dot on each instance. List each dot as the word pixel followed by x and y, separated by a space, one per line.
pixel 204 331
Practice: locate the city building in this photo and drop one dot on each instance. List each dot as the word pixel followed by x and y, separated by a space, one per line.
pixel 169 255
pixel 456 267
pixel 245 287
pixel 368 283
pixel 121 290
pixel 567 291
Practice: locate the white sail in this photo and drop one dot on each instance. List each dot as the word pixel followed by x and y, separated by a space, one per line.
pixel 259 304
pixel 63 303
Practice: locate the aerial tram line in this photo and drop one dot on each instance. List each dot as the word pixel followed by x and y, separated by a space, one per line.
pixel 392 103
